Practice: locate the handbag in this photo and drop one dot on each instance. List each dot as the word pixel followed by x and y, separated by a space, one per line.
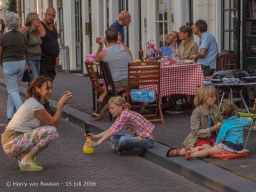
pixel 26 76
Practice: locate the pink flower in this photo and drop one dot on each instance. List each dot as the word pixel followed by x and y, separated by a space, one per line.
pixel 151 46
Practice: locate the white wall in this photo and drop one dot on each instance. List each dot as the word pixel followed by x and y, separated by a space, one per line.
pixel 180 12
pixel 134 36
pixel 210 11
pixel 86 39
pixel 97 22
pixel 68 19
pixel 3 9
pixel 113 11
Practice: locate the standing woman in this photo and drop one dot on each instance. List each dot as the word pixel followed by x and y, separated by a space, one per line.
pixel 187 46
pixel 12 45
pixel 33 49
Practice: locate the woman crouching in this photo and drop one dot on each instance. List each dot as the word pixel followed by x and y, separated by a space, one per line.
pixel 23 137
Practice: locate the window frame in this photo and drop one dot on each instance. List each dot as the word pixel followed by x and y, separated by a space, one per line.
pixel 159 22
pixel 234 13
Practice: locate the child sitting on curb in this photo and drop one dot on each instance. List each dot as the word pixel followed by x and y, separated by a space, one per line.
pixel 204 122
pixel 230 137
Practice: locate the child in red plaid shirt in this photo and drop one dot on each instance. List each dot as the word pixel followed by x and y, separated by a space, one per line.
pixel 134 122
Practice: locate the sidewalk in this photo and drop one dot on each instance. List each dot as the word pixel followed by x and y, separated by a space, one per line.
pixel 217 174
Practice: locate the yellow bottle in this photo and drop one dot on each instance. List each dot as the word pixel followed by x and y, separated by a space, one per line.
pixel 88 149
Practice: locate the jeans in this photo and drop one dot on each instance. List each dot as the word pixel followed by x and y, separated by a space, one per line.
pixel 34 66
pixel 123 141
pixel 13 72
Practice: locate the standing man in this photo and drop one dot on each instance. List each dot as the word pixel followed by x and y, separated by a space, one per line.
pixel 50 48
pixel 208 48
pixel 124 20
pixel 50 45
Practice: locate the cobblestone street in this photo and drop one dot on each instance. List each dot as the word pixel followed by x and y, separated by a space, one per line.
pixel 66 168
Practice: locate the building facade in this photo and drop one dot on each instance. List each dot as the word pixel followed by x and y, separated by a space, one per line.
pixel 84 20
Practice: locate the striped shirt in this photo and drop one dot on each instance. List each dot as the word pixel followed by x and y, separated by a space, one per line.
pixel 133 122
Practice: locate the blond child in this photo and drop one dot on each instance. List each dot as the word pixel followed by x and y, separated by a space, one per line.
pixel 230 136
pixel 134 122
pixel 203 123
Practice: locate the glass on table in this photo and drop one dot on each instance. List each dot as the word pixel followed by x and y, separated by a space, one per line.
pixel 181 61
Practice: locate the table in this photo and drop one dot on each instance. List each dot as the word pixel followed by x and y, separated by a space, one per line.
pixel 179 79
pixel 231 88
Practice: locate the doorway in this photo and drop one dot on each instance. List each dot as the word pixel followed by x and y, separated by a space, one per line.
pixel 78 36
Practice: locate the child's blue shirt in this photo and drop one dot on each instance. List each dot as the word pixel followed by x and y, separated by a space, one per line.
pixel 232 130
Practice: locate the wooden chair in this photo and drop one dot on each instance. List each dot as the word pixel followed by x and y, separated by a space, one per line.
pixel 226 61
pixel 97 90
pixel 111 89
pixel 95 93
pixel 110 86
pixel 146 73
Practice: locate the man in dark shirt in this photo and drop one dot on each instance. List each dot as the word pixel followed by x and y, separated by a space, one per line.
pixel 50 48
pixel 50 45
pixel 123 20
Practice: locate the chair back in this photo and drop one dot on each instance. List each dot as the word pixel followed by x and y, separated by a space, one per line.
pixel 98 71
pixel 226 61
pixel 144 73
pixel 108 78
pixel 93 77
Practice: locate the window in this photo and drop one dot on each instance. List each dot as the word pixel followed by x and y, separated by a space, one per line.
pixel 123 5
pixel 35 6
pixel 162 22
pixel 107 13
pixel 60 22
pixel 42 10
pixel 231 26
pixel 50 3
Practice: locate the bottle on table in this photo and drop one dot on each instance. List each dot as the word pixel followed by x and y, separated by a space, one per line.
pixel 141 53
pixel 176 53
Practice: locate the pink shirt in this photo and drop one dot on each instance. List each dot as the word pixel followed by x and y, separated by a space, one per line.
pixel 133 122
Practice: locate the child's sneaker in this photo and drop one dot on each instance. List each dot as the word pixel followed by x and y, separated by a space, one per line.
pixel 114 148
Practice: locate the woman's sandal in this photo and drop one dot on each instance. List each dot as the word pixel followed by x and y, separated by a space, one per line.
pixel 188 152
pixel 33 167
pixel 176 154
pixel 37 161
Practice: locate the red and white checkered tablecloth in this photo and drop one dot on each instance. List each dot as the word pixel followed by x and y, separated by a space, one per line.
pixel 181 79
